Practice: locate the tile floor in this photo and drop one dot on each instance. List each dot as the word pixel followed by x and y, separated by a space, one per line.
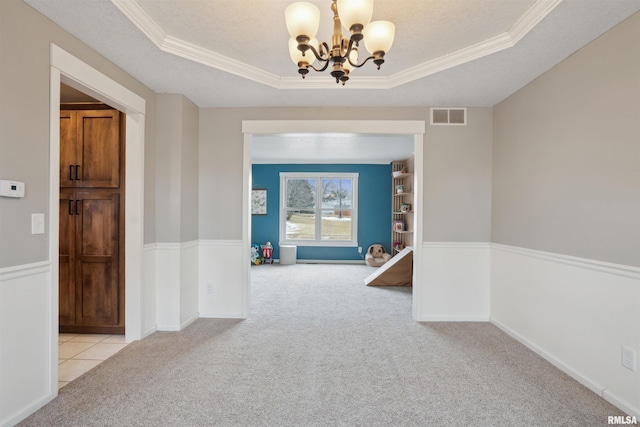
pixel 78 353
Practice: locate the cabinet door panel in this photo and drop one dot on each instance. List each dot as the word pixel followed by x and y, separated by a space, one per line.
pixel 68 146
pixel 99 145
pixel 97 254
pixel 99 226
pixel 97 294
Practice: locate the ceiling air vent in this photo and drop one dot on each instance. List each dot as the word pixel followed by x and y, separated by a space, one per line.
pixel 449 116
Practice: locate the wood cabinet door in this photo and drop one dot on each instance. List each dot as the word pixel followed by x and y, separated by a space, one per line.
pixel 68 149
pixel 98 299
pixel 99 154
pixel 90 149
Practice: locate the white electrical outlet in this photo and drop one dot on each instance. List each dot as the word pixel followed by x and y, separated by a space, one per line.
pixel 359 249
pixel 629 358
pixel 209 288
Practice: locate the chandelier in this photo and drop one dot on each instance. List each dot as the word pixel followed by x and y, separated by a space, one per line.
pixel 303 20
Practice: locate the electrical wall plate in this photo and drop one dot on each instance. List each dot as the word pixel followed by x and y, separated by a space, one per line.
pixel 11 188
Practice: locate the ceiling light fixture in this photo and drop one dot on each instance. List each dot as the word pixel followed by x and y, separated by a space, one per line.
pixel 303 20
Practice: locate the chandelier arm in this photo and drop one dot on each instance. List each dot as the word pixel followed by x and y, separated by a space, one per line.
pixel 326 64
pixel 318 54
pixel 364 62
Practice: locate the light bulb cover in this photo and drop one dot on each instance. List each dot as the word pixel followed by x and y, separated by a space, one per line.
pixel 302 18
pixel 354 12
pixel 378 36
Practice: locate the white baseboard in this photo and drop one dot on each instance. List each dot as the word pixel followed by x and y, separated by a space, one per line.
pixel 454 319
pixel 25 412
pixel 585 381
pixel 150 331
pixel 190 320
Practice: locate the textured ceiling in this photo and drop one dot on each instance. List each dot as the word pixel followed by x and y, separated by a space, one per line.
pixel 234 53
pixel 447 53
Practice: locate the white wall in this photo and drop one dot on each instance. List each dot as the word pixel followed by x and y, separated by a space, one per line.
pixel 221 270
pixel 575 312
pixel 456 281
pixel 25 340
pixel 566 214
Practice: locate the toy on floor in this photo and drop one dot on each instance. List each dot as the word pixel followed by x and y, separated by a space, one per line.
pixel 376 255
pixel 256 258
pixel 267 253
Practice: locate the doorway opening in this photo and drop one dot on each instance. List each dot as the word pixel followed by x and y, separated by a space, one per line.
pixel 67 69
pixel 415 129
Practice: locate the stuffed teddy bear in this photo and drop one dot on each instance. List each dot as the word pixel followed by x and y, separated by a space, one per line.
pixel 376 255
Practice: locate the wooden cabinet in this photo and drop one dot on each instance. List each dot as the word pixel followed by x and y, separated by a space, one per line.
pixel 91 246
pixel 90 149
pixel 402 204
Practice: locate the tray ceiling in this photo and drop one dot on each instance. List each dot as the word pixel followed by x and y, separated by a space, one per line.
pixel 234 53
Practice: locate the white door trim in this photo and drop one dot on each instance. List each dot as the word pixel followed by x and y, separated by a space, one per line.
pixel 72 71
pixel 381 127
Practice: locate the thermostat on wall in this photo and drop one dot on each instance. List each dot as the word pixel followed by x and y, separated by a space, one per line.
pixel 11 188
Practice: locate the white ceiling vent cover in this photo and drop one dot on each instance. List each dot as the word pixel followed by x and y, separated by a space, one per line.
pixel 449 116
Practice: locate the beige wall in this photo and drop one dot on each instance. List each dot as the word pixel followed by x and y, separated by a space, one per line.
pixel 189 183
pixel 25 38
pixel 566 165
pixel 177 169
pixel 457 161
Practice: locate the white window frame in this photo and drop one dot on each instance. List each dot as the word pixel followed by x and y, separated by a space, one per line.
pixel 318 176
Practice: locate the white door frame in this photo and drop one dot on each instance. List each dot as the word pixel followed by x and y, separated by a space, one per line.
pixel 378 127
pixel 70 70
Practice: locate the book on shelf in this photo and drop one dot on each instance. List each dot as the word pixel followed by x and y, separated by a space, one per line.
pixel 398 225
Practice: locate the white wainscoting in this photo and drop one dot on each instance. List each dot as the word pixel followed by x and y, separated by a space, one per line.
pixel 222 283
pixel 455 284
pixel 189 283
pixel 26 367
pixel 576 313
pixel 176 276
pixel 149 315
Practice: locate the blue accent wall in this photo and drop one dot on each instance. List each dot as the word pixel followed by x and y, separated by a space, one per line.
pixel 374 209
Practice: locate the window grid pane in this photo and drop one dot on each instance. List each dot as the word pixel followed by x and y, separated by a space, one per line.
pixel 319 208
pixel 301 193
pixel 336 225
pixel 300 225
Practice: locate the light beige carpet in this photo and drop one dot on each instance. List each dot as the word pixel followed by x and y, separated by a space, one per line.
pixel 323 349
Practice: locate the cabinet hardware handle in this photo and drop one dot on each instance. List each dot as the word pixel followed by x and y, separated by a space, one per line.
pixel 71 172
pixel 77 210
pixel 78 172
pixel 70 207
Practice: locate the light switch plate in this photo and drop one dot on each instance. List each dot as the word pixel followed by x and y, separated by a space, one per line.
pixel 37 223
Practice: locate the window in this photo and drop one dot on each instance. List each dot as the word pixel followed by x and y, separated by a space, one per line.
pixel 319 209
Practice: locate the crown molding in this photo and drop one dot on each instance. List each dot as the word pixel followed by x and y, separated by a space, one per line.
pixel 175 46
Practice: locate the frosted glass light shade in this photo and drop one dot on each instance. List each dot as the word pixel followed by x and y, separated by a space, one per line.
pixel 296 55
pixel 355 12
pixel 378 36
pixel 302 19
